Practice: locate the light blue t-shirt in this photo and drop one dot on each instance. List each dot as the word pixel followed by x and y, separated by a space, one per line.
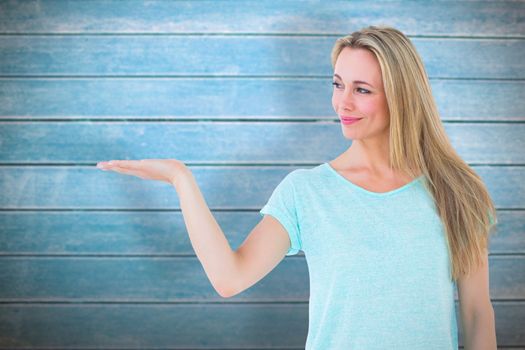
pixel 378 263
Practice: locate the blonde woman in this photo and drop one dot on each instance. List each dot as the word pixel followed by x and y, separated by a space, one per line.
pixel 389 228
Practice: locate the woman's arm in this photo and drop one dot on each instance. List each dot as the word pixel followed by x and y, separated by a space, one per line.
pixel 208 240
pixel 480 332
pixel 477 313
pixel 230 272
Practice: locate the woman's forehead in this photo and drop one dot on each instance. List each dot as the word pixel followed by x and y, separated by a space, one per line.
pixel 358 64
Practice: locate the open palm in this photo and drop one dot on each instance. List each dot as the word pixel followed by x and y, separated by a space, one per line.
pixel 149 169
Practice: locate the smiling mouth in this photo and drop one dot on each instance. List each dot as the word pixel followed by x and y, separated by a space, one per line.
pixel 350 118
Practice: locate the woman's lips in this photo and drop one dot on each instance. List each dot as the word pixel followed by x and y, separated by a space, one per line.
pixel 349 120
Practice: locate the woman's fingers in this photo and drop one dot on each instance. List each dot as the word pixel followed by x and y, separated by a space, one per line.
pixel 122 166
pixel 129 164
pixel 128 171
pixel 150 169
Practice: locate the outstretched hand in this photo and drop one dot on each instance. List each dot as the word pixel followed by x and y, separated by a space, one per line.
pixel 165 170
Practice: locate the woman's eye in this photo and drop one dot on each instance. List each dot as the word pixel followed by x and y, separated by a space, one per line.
pixel 365 91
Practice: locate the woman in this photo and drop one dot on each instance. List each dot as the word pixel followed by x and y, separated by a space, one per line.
pixel 389 228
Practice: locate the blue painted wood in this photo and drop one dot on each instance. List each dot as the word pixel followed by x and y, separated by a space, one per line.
pixel 154 233
pixel 195 326
pixel 220 55
pixel 82 187
pixel 232 98
pixel 471 18
pixel 77 269
pixel 179 279
pixel 91 142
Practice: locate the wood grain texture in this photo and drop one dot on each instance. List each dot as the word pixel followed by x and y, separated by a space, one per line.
pixel 179 279
pixel 247 187
pixel 161 233
pixel 460 18
pixel 225 98
pixel 260 56
pixel 233 88
pixel 195 326
pixel 256 142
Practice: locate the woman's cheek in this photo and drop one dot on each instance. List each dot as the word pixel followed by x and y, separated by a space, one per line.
pixel 370 107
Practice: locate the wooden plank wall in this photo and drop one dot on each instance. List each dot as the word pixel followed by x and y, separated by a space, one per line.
pixel 241 92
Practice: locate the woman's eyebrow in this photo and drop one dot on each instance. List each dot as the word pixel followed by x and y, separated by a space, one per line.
pixel 355 81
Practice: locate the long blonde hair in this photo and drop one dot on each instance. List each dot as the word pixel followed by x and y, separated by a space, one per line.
pixel 420 146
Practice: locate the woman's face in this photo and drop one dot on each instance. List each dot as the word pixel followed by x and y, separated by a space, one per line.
pixel 358 93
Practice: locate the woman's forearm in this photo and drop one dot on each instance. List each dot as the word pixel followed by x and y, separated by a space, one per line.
pixel 206 236
pixel 480 332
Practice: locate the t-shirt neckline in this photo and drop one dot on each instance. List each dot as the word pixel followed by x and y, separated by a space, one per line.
pixel 377 194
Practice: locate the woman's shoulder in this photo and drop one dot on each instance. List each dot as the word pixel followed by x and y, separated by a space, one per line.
pixel 305 177
pixel 305 173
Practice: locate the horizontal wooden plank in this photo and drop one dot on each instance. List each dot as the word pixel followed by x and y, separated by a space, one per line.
pixel 180 279
pixel 226 98
pixel 422 18
pixel 248 187
pixel 161 233
pixel 67 142
pixel 221 55
pixel 208 326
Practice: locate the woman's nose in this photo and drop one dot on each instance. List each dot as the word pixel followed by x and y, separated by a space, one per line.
pixel 347 106
pixel 347 101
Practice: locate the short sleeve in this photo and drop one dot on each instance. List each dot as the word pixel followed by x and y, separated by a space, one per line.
pixel 282 206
